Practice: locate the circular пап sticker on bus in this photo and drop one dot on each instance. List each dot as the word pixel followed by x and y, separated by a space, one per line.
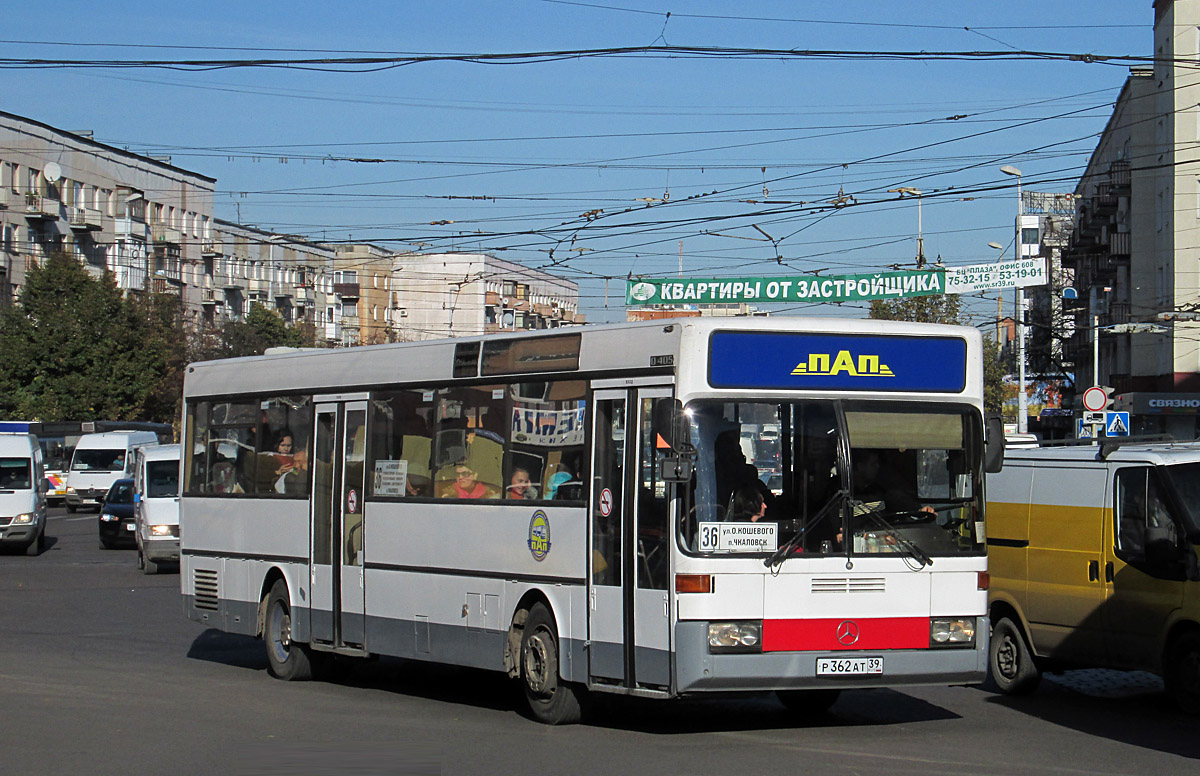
pixel 539 536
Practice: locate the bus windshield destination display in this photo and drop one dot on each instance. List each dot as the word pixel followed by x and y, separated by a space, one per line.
pixel 842 362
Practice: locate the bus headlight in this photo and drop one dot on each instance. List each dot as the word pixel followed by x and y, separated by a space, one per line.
pixel 160 530
pixel 23 519
pixel 735 636
pixel 951 631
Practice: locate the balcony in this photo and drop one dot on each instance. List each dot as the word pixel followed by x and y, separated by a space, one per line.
pixel 208 296
pixel 85 220
pixel 346 290
pixel 130 228
pixel 167 236
pixel 38 207
pixel 1119 243
pixel 1120 177
pixel 210 248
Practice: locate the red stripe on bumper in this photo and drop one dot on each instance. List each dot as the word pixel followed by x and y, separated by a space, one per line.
pixel 845 633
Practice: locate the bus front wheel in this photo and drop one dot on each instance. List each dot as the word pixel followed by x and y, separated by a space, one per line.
pixel 1011 661
pixel 287 659
pixel 550 699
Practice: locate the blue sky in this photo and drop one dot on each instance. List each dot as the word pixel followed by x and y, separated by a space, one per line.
pixel 514 155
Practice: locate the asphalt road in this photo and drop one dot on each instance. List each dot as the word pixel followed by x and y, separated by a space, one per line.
pixel 101 672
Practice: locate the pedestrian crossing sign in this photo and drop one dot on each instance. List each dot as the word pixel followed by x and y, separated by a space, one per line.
pixel 1083 429
pixel 1116 424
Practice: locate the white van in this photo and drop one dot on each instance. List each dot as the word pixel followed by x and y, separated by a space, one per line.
pixel 156 505
pixel 23 489
pixel 100 460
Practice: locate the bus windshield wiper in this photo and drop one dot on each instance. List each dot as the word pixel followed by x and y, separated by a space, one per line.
pixel 781 554
pixel 920 555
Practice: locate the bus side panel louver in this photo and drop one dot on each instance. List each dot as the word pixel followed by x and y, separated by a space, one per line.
pixel 205 588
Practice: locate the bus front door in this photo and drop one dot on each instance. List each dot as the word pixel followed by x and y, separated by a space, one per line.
pixel 629 559
pixel 336 569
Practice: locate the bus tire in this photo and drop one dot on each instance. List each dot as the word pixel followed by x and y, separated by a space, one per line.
pixel 286 659
pixel 1182 671
pixel 808 702
pixel 551 700
pixel 1010 661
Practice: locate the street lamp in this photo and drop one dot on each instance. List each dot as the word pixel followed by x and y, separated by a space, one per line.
pixel 920 239
pixel 1022 399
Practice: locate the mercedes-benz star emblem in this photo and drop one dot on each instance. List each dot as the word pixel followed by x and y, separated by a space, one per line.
pixel 847 633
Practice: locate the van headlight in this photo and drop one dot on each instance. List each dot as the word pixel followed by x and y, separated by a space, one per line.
pixel 735 636
pixel 160 530
pixel 951 631
pixel 23 519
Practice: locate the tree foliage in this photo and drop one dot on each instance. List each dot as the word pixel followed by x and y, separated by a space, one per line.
pixel 948 309
pixel 74 348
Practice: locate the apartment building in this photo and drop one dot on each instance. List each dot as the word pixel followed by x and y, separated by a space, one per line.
pixel 382 296
pixel 243 266
pixel 1136 244
pixel 141 218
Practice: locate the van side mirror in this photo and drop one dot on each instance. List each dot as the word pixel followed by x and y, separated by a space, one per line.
pixel 43 486
pixel 993 445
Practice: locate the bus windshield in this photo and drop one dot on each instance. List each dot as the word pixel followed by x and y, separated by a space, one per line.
pixel 847 478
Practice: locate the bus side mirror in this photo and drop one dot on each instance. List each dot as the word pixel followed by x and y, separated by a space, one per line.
pixel 672 431
pixel 993 446
pixel 671 426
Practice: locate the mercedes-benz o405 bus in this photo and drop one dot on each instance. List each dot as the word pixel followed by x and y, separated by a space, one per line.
pixel 575 508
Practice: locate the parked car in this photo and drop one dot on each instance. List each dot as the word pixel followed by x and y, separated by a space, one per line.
pixel 23 489
pixel 156 506
pixel 117 525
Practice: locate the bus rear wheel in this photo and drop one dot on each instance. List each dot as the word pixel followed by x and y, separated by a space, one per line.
pixel 1011 661
pixel 287 659
pixel 550 699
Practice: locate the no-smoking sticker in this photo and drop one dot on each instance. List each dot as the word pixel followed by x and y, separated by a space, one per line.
pixel 606 502
pixel 352 501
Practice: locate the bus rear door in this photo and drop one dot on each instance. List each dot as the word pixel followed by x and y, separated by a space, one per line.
pixel 336 567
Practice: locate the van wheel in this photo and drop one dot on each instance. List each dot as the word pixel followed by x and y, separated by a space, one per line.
pixel 1010 660
pixel 807 702
pixel 105 545
pixel 34 548
pixel 287 659
pixel 1182 673
pixel 72 508
pixel 148 566
pixel 551 700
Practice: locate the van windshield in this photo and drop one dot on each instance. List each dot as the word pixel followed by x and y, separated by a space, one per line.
pixel 98 461
pixel 162 479
pixel 1186 479
pixel 14 474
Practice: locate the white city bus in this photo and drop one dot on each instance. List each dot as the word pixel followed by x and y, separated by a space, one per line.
pixel 564 506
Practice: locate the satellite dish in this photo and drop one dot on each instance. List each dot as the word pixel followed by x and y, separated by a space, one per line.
pixel 52 172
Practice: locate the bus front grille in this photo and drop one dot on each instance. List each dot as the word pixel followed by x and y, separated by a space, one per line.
pixel 204 585
pixel 849 585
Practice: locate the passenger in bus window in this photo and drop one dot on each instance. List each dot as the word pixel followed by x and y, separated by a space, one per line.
pixel 748 505
pixel 465 484
pixel 520 485
pixel 734 471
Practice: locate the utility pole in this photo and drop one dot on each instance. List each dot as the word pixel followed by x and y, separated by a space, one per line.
pixel 1022 399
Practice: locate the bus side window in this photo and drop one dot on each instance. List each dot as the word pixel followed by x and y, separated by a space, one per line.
pixel 401 444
